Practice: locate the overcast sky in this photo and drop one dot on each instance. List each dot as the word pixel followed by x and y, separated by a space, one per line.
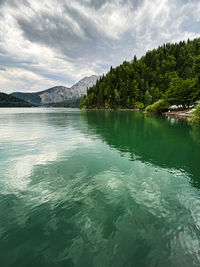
pixel 44 43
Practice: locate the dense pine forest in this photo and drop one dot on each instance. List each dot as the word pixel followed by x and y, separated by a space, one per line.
pixel 170 74
pixel 70 103
pixel 12 101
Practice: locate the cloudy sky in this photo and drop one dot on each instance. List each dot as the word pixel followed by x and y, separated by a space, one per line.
pixel 44 43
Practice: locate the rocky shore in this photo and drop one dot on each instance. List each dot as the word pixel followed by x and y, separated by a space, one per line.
pixel 187 113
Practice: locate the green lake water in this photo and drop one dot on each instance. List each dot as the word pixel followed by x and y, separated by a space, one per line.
pixel 98 188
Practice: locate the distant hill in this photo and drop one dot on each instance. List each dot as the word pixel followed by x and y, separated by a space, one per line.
pixel 54 94
pixel 12 101
pixel 59 93
pixel 171 73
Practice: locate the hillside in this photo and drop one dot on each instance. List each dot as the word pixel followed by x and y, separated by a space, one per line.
pixel 46 96
pixel 71 103
pixel 170 72
pixel 58 94
pixel 12 101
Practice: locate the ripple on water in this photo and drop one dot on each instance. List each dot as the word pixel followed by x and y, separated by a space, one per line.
pixel 67 198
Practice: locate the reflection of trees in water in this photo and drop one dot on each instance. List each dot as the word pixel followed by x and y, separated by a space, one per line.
pixel 195 133
pixel 169 143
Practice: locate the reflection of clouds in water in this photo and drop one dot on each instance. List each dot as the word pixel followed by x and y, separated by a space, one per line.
pixel 30 133
pixel 114 183
pixel 22 166
pixel 13 134
pixel 146 185
pixel 32 141
pixel 173 120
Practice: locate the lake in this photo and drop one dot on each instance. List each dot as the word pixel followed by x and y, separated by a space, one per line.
pixel 98 188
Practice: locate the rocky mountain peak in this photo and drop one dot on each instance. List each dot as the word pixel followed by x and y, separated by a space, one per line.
pixel 59 93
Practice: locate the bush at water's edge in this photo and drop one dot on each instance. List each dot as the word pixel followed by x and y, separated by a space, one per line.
pixel 196 115
pixel 158 107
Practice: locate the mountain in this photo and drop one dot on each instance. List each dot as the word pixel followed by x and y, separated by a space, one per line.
pixel 12 101
pixel 59 93
pixel 171 72
pixel 80 88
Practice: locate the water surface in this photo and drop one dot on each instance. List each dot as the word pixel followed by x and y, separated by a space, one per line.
pixel 98 188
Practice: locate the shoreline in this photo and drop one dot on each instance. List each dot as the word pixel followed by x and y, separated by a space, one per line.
pixel 187 113
pixel 184 114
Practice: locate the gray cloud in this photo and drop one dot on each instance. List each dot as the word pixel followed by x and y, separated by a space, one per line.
pixel 58 32
pixel 49 42
pixel 97 4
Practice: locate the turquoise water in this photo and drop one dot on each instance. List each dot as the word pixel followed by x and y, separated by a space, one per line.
pixel 98 188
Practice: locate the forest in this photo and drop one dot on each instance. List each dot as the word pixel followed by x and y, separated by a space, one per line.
pixel 69 103
pixel 12 101
pixel 169 74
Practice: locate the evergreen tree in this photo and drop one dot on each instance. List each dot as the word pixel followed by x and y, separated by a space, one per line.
pixel 171 72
